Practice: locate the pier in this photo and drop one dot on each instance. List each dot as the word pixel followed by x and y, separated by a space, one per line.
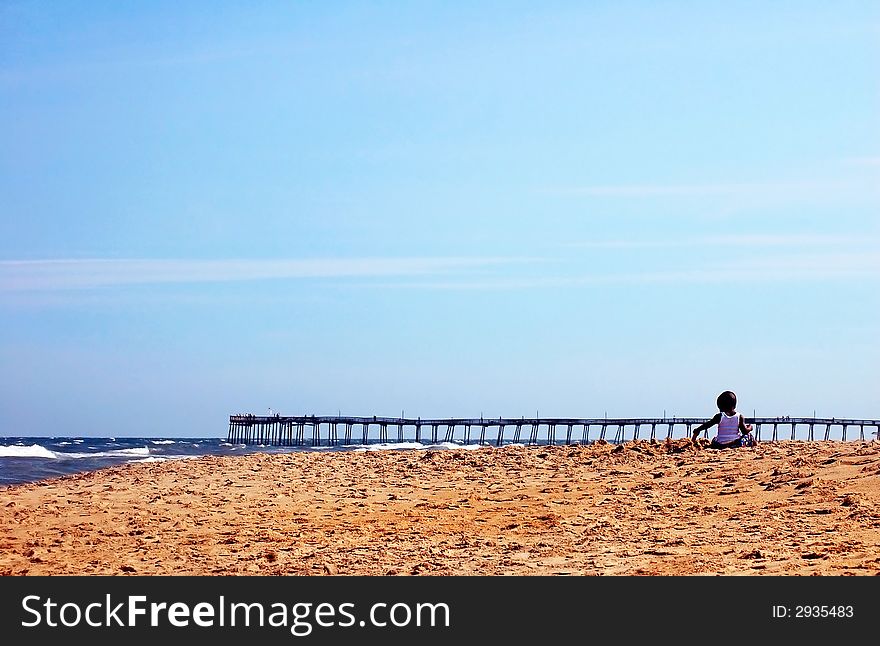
pixel 338 430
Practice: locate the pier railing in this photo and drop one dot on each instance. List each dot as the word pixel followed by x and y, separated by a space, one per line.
pixel 307 430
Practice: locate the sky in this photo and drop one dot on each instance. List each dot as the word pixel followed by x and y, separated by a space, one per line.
pixel 435 209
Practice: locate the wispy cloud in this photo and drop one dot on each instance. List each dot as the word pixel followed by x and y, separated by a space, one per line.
pixel 66 274
pixel 817 267
pixel 91 64
pixel 745 241
pixel 779 190
pixel 60 276
pixel 871 161
pixel 650 190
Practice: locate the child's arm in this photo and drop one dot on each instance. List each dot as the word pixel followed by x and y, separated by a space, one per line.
pixel 743 427
pixel 702 427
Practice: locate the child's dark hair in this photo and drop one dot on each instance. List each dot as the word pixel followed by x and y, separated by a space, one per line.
pixel 726 401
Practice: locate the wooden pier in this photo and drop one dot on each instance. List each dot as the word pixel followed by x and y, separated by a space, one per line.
pixel 308 430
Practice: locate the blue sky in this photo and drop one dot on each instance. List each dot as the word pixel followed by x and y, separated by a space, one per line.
pixel 446 209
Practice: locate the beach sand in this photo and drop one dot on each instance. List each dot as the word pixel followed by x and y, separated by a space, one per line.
pixel 641 508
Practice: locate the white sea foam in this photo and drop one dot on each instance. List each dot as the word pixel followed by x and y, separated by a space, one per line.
pixel 115 453
pixel 386 446
pixel 162 442
pixel 32 451
pixel 453 445
pixel 136 451
pixel 37 451
pixel 414 446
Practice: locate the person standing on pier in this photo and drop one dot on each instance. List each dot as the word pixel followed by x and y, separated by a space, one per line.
pixel 732 428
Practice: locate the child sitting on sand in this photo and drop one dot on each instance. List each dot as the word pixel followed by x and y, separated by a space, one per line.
pixel 732 428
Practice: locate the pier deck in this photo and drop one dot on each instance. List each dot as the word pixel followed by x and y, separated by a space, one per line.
pixel 306 430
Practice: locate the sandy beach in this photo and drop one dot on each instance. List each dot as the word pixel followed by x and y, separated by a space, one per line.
pixel 641 508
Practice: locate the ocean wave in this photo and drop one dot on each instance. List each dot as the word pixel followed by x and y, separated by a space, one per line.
pixel 32 451
pixel 115 453
pixel 414 446
pixel 37 451
pixel 388 446
pixel 162 442
pixel 397 446
pixel 455 445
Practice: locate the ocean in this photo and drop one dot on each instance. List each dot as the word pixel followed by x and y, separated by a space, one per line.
pixel 31 459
